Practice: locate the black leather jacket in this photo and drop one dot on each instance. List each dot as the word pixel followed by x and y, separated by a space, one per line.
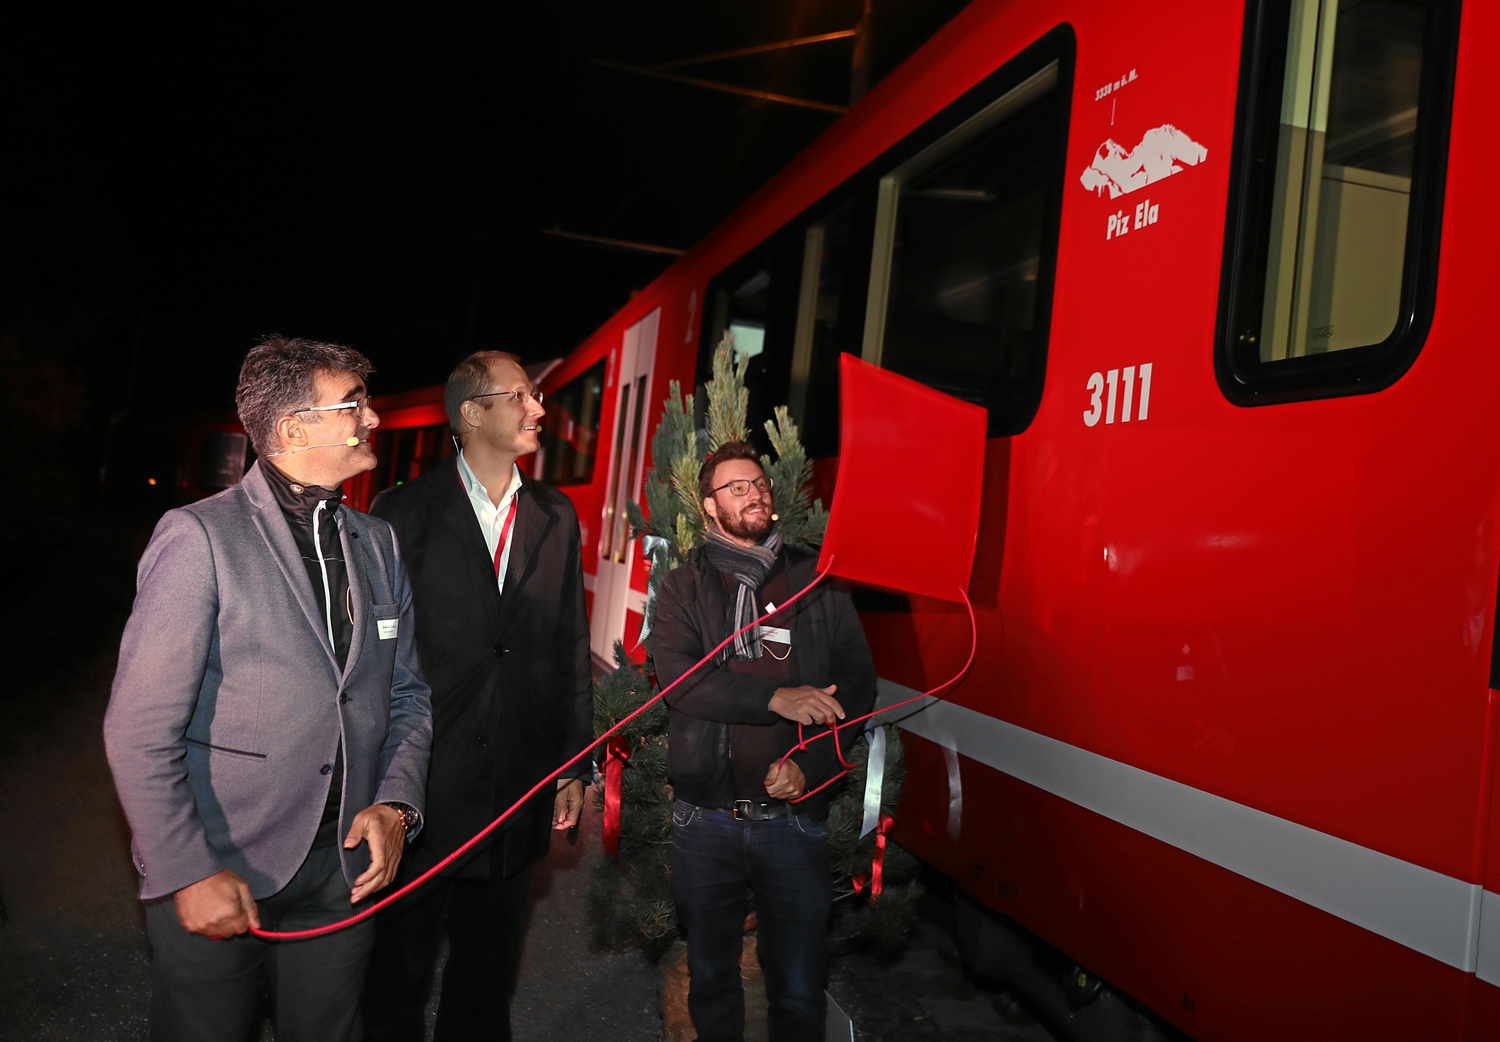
pixel 828 647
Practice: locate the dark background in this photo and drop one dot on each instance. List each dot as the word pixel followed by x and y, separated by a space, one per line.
pixel 177 187
pixel 173 187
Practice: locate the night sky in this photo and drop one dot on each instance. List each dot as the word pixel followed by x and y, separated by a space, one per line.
pixel 176 187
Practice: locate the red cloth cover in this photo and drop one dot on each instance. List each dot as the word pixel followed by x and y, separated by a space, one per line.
pixel 905 511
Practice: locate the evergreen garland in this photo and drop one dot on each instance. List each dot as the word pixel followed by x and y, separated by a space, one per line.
pixel 630 897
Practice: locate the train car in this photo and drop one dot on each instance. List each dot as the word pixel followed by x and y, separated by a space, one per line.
pixel 1217 271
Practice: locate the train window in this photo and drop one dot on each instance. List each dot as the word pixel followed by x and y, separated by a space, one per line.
pixel 740 302
pixel 957 281
pixel 747 300
pixel 1339 171
pixel 570 430
pixel 823 330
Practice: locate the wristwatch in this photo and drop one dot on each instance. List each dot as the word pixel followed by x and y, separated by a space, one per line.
pixel 408 814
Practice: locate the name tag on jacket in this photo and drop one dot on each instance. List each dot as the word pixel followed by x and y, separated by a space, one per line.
pixel 387 628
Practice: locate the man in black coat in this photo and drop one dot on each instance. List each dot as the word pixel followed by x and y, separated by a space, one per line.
pixel 497 579
pixel 734 825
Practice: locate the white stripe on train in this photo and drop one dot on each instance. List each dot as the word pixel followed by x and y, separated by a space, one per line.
pixel 1427 911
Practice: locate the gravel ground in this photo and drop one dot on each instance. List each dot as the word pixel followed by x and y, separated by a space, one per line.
pixel 74 963
pixel 923 993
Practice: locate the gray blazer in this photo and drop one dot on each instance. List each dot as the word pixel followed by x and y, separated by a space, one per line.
pixel 228 704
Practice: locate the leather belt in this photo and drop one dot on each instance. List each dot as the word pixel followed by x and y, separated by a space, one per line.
pixel 749 810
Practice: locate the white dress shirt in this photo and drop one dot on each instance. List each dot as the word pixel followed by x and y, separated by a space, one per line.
pixel 492 517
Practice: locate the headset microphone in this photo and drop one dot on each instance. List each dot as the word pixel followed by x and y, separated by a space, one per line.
pixel 349 442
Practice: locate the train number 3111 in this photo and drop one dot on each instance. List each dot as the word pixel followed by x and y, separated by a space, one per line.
pixel 1102 405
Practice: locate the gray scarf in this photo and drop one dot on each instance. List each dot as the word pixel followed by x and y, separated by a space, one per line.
pixel 748 566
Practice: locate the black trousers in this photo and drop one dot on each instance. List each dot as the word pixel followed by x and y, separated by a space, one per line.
pixel 485 920
pixel 204 990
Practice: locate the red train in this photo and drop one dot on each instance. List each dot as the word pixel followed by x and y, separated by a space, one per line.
pixel 1218 272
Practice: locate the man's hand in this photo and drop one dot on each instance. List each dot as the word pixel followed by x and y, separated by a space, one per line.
pixel 784 781
pixel 217 907
pixel 569 803
pixel 385 829
pixel 807 705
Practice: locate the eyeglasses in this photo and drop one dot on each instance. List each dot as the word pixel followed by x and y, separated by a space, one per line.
pixel 519 396
pixel 358 403
pixel 741 487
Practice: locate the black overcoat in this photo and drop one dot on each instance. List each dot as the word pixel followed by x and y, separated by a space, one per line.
pixel 512 692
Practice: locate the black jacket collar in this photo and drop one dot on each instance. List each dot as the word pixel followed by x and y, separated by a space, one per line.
pixel 297 501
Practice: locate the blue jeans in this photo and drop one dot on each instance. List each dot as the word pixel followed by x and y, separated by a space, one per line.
pixel 715 859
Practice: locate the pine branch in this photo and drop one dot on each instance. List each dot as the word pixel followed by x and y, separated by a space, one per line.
pixel 675 439
pixel 803 522
pixel 728 397
pixel 687 507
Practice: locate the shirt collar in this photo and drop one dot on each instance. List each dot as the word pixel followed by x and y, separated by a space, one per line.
pixel 476 488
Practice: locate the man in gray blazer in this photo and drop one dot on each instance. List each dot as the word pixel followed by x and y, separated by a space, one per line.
pixel 269 727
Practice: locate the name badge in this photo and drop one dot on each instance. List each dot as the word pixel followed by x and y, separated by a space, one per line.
pixel 776 634
pixel 387 628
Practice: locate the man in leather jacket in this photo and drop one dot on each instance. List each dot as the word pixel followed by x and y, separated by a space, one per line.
pixel 740 820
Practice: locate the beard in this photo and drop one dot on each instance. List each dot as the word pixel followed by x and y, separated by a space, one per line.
pixel 742 528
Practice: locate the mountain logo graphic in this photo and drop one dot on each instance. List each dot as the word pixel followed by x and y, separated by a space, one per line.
pixel 1158 155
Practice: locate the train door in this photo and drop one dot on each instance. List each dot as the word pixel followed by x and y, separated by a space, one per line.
pixel 612 593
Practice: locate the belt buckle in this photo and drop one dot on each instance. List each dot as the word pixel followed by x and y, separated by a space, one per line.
pixel 746 805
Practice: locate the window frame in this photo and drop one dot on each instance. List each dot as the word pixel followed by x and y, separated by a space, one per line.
pixel 945 132
pixel 1243 378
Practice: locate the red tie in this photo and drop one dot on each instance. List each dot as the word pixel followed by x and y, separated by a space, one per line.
pixel 510 515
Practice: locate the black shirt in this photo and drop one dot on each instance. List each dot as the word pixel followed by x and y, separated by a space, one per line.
pixel 300 506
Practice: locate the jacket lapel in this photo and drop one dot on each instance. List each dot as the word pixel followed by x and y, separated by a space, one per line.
pixel 359 589
pixel 278 536
pixel 458 514
pixel 450 500
pixel 533 522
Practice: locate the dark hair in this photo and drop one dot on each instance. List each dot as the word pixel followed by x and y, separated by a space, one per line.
pixel 471 377
pixel 730 450
pixel 277 378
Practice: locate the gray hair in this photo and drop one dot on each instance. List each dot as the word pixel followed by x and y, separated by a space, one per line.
pixel 277 378
pixel 470 378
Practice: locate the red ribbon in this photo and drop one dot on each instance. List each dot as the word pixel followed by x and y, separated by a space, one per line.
pixel 504 535
pixel 616 752
pixel 877 866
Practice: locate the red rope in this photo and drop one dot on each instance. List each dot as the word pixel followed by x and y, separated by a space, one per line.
pixel 297 935
pixel 834 729
pixel 838 751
